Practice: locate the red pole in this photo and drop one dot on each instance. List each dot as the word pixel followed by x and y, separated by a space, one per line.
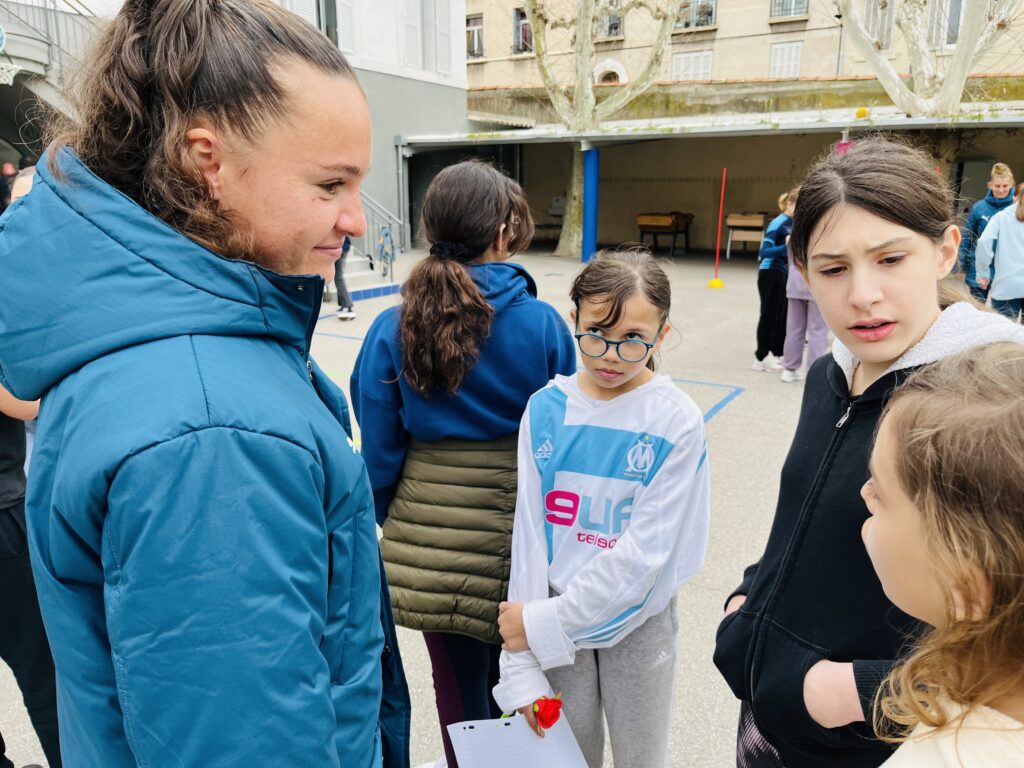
pixel 721 208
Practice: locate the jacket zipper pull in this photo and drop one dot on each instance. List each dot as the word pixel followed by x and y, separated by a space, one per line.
pixel 309 370
pixel 846 415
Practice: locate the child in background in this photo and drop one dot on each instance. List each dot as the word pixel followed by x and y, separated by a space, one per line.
pixel 1002 246
pixel 803 322
pixel 946 537
pixel 771 287
pixel 611 518
pixel 809 635
pixel 999 196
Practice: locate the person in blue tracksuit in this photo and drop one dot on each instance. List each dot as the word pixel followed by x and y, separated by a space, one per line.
pixel 771 287
pixel 999 196
pixel 200 528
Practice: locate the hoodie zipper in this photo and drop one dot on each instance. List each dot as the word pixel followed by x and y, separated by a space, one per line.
pixel 813 494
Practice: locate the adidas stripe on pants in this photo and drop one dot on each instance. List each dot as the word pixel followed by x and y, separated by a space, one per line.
pixel 632 685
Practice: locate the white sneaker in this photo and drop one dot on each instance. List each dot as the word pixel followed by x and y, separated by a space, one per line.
pixel 346 313
pixel 760 365
pixel 788 376
pixel 773 364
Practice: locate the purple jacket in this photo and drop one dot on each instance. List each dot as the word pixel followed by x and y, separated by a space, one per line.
pixel 796 286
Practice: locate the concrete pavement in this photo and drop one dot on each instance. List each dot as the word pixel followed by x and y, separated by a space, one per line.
pixel 750 421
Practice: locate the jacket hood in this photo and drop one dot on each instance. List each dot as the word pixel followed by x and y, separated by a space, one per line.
pixel 502 283
pixel 996 202
pixel 123 278
pixel 960 327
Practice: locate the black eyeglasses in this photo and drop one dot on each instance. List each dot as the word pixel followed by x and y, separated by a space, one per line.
pixel 628 350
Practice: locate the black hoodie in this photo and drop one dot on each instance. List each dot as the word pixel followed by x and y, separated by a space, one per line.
pixel 814 594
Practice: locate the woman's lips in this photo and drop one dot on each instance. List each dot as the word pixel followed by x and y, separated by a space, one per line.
pixel 873 331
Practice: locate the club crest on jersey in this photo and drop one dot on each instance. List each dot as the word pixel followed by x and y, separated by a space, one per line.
pixel 544 449
pixel 640 458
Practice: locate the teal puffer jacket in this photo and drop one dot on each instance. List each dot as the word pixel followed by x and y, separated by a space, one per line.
pixel 201 529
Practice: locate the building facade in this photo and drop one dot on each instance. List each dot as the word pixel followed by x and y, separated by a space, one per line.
pixel 760 87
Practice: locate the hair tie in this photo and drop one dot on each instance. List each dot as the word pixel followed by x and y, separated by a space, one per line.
pixel 449 251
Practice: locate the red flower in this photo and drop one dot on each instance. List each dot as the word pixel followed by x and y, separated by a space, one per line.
pixel 548 710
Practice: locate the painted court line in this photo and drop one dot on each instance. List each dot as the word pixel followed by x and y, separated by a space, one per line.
pixel 733 393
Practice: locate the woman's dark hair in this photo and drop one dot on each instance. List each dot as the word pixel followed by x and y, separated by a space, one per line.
pixel 445 319
pixel 613 277
pixel 894 181
pixel 160 65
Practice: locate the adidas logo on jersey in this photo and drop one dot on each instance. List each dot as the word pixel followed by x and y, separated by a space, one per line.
pixel 544 451
pixel 662 658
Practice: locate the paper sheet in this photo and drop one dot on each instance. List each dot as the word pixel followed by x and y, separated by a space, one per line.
pixel 510 743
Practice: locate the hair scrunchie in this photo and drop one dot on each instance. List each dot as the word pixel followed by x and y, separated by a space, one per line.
pixel 449 251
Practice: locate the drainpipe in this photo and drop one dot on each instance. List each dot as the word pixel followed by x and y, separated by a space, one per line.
pixel 591 170
pixel 403 212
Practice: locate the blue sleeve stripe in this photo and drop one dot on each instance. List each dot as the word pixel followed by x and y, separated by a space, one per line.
pixel 611 628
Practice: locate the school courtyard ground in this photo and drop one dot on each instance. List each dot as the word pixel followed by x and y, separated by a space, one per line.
pixel 750 421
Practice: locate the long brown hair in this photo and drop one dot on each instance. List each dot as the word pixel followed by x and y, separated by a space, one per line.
pixel 890 179
pixel 159 66
pixel 613 277
pixel 959 425
pixel 445 319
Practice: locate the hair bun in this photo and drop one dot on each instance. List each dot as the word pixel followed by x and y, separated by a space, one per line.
pixel 447 250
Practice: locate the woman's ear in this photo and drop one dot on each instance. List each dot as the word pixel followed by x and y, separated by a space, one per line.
pixel 949 247
pixel 572 317
pixel 500 244
pixel 205 149
pixel 665 328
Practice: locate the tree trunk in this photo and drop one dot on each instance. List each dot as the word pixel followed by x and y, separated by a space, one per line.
pixel 570 241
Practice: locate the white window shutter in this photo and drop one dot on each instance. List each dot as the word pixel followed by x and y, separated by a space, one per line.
pixel 443 30
pixel 346 25
pixel 304 8
pixel 413 31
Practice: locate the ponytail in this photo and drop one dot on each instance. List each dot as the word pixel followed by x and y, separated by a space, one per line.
pixel 445 321
pixel 470 208
pixel 161 65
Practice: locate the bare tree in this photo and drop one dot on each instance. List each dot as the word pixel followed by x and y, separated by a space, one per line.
pixel 573 97
pixel 937 78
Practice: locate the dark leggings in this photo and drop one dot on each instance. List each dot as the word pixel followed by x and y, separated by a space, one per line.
pixel 752 749
pixel 23 644
pixel 465 670
pixel 771 325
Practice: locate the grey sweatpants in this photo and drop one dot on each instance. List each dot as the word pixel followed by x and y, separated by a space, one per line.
pixel 633 685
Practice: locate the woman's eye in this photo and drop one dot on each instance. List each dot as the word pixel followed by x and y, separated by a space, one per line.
pixel 331 187
pixel 831 271
pixel 895 259
pixel 634 337
pixel 596 331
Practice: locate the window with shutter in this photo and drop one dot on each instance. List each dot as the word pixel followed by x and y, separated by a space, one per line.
pixel 945 22
pixel 878 22
pixel 474 36
pixel 413 33
pixel 522 32
pixel 443 35
pixel 696 13
pixel 786 60
pixel 693 65
pixel 346 25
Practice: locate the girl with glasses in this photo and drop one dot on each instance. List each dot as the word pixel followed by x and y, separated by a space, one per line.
pixel 439 388
pixel 611 519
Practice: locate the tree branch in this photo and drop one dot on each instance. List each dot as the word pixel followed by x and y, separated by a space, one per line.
pixel 974 20
pixel 887 75
pixel 641 82
pixel 535 12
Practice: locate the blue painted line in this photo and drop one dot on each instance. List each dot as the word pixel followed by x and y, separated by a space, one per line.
pixel 734 392
pixel 373 293
pixel 338 336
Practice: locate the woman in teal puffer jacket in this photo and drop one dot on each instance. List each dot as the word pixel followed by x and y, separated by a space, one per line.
pixel 201 530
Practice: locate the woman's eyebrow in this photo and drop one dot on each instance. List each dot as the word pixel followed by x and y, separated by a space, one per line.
pixel 872 249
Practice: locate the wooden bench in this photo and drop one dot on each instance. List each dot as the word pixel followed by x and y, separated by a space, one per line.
pixel 673 223
pixel 745 228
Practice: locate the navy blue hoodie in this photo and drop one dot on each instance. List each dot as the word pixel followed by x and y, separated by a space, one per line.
pixel 529 343
pixel 977 220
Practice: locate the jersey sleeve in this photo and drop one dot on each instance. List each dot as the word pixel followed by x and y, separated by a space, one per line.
pixel 621 588
pixel 522 680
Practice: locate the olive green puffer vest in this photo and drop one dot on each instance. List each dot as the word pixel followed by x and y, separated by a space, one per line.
pixel 448 537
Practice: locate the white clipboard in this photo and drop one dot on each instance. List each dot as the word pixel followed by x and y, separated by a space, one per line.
pixel 509 743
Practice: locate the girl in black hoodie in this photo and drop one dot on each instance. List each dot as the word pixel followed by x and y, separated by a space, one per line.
pixel 809 634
